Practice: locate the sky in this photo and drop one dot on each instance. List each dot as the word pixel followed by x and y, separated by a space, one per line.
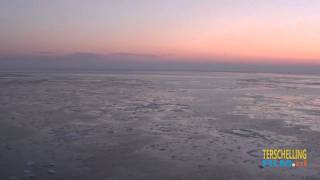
pixel 219 31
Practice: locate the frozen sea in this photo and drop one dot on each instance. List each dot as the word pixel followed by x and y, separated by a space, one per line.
pixel 155 125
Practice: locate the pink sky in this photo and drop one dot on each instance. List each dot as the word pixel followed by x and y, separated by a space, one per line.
pixel 286 31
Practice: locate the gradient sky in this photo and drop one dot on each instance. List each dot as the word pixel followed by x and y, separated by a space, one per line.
pixel 285 31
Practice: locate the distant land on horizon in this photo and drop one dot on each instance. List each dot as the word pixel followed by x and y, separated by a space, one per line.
pixel 130 61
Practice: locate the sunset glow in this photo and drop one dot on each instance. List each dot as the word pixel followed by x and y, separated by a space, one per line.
pixel 285 31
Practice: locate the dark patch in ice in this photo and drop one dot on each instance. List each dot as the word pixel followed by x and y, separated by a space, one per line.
pixel 313 112
pixel 150 106
pixel 245 133
pixel 28 82
pixel 255 153
pixel 313 83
